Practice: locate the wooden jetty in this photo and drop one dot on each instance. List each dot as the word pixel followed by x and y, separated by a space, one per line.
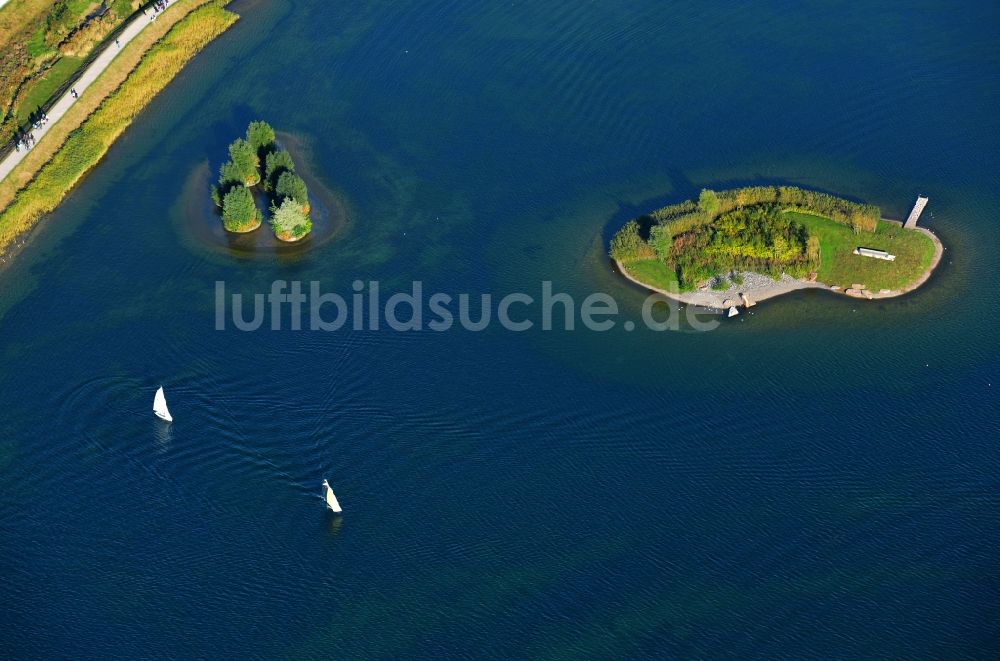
pixel 918 209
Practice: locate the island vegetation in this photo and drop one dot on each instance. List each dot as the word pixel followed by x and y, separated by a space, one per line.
pixel 256 161
pixel 778 231
pixel 188 29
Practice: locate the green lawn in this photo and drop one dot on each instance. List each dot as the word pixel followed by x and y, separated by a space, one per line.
pixel 79 7
pixel 41 89
pixel 840 266
pixel 655 273
pixel 36 45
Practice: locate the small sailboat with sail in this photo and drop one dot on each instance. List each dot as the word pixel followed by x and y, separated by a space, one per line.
pixel 160 406
pixel 330 498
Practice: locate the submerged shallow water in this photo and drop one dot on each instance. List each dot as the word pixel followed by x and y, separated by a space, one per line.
pixel 818 478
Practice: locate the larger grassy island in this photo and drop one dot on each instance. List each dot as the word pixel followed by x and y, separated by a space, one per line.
pixel 744 245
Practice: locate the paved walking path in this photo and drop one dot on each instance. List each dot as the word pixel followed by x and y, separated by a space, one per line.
pixel 95 69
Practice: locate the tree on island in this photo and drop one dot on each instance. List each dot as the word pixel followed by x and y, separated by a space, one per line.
pixel 758 238
pixel 230 175
pixel 628 246
pixel 745 229
pixel 244 164
pixel 289 221
pixel 276 163
pixel 291 187
pixel 289 196
pixel 239 211
pixel 261 137
pixel 708 201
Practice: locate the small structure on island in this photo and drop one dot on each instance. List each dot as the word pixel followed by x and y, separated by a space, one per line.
pixel 877 254
pixel 918 209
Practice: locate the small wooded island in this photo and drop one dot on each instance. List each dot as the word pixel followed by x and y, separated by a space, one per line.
pixel 736 247
pixel 256 161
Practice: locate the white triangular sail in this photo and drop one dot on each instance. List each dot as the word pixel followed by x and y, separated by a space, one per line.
pixel 733 311
pixel 160 406
pixel 331 500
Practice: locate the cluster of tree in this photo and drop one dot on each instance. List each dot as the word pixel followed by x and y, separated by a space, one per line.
pixel 256 160
pixel 757 238
pixel 628 246
pixel 739 229
pixel 711 204
pixel 860 217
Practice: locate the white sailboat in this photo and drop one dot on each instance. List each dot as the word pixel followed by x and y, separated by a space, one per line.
pixel 733 311
pixel 331 500
pixel 160 406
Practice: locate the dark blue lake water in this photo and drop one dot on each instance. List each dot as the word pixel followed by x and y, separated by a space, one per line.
pixel 819 479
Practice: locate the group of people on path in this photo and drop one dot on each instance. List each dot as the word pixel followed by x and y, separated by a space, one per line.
pixel 27 139
pixel 158 6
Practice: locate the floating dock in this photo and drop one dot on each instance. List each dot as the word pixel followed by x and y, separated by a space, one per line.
pixel 918 209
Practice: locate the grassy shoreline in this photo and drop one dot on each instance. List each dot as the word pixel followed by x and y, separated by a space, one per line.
pixel 85 146
pixel 110 80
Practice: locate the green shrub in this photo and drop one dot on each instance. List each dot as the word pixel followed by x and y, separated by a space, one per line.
pixel 230 175
pixel 122 8
pixel 239 211
pixel 757 238
pixel 244 164
pixel 275 164
pixel 628 246
pixel 860 217
pixel 289 221
pixel 291 187
pixel 708 201
pixel 261 137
